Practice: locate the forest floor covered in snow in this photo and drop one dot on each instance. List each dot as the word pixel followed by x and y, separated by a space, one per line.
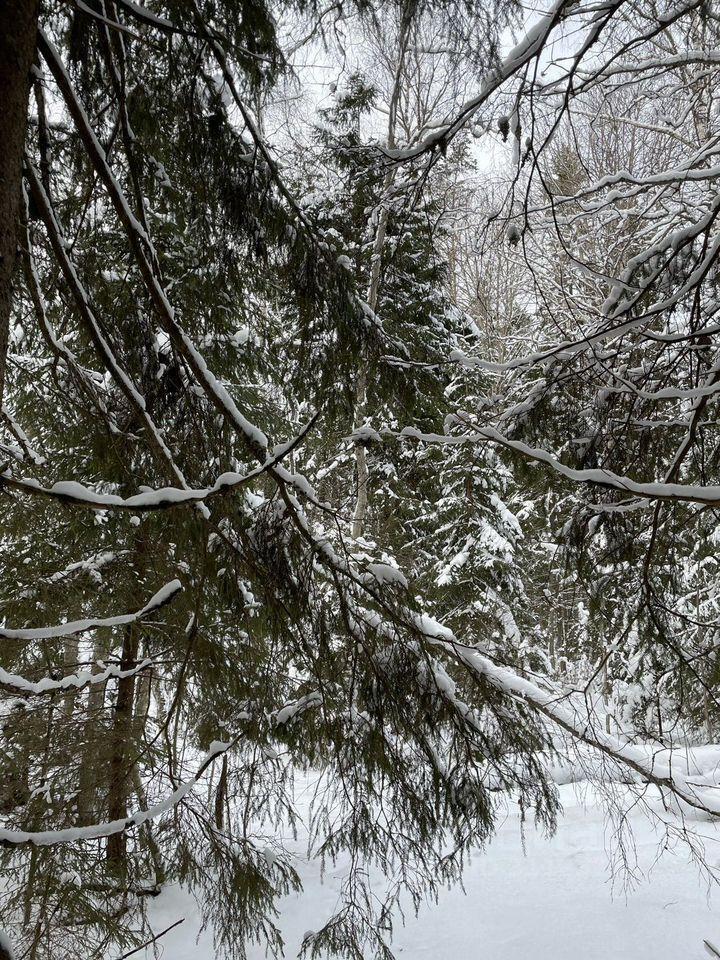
pixel 529 896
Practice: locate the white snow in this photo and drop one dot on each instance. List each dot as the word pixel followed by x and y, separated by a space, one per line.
pixel 528 897
pixel 385 573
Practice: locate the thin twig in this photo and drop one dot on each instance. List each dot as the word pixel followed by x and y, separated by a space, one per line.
pixel 152 939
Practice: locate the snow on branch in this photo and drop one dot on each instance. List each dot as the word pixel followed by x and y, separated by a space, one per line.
pixel 46 838
pixel 163 596
pixel 555 704
pixel 529 48
pixel 163 498
pixel 12 838
pixel 673 492
pixel 254 438
pixel 19 686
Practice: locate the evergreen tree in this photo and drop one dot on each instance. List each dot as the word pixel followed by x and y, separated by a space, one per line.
pixel 252 524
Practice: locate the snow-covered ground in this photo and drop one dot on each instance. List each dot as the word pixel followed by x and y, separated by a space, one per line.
pixel 528 897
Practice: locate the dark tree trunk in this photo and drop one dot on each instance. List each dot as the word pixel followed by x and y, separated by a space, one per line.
pixel 18 38
pixel 120 771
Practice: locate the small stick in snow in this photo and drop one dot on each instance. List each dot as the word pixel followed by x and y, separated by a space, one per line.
pixel 154 939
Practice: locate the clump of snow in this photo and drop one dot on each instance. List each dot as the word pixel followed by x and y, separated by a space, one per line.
pixel 384 573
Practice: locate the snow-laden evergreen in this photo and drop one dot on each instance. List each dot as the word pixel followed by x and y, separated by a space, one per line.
pixel 359 454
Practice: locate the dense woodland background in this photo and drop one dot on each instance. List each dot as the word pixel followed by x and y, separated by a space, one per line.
pixel 359 367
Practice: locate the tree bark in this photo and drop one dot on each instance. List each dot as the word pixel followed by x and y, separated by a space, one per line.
pixel 18 39
pixel 373 295
pixel 120 770
pixel 93 754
